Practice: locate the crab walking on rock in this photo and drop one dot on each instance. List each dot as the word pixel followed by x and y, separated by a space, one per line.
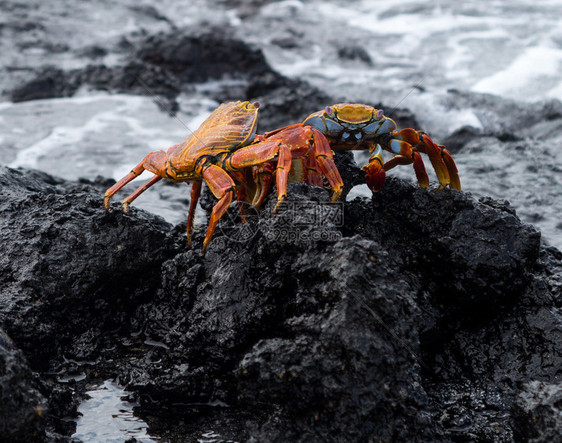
pixel 349 126
pixel 222 152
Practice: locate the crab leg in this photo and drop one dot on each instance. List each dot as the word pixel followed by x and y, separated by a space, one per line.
pixel 154 162
pixel 135 172
pixel 262 176
pixel 403 143
pixel 312 173
pixel 419 167
pixel 281 174
pixel 451 166
pixel 260 153
pixel 324 156
pixel 375 172
pixel 223 187
pixel 195 193
pixel 129 199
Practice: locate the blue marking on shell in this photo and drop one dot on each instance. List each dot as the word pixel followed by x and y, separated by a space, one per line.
pixel 317 123
pixel 371 129
pixel 387 126
pixel 333 127
pixel 395 146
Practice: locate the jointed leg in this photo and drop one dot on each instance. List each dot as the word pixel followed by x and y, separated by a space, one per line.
pixel 153 162
pixel 259 155
pixel 375 174
pixel 223 187
pixel 195 193
pixel 313 176
pixel 324 156
pixel 281 174
pixel 128 200
pixel 408 141
pixel 262 176
pixel 419 167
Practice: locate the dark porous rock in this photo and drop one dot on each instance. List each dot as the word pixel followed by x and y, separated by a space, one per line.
pixel 49 82
pixel 69 271
pixel 93 52
pixel 538 412
pixel 384 327
pixel 23 406
pixel 134 78
pixel 203 55
pixel 456 141
pixel 355 53
pixel 483 245
pixel 65 262
pixel 164 64
pixel 414 315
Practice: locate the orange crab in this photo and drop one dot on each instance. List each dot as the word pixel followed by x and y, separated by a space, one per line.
pixel 222 151
pixel 357 126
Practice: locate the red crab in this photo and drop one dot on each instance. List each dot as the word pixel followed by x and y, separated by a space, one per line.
pixel 349 126
pixel 221 152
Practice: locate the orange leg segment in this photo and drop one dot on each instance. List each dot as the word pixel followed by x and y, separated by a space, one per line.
pixel 263 152
pixel 154 162
pixel 375 173
pixel 128 200
pixel 324 156
pixel 223 187
pixel 441 160
pixel 281 174
pixel 195 193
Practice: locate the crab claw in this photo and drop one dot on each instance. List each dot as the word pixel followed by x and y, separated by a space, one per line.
pixel 375 174
pixel 408 142
pixel 455 182
pixel 442 162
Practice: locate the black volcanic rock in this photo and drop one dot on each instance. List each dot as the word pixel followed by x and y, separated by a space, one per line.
pixel 64 263
pixel 538 412
pixel 411 315
pixel 203 55
pixel 23 406
pixel 164 64
pixel 49 82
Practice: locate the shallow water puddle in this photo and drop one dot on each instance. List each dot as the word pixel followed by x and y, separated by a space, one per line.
pixel 108 418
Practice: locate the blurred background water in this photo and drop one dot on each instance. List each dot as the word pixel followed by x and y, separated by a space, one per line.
pixel 410 54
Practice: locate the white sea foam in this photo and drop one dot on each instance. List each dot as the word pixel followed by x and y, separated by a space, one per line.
pixel 527 77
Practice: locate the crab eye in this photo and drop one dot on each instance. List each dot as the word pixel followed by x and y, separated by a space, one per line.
pixel 379 114
pixel 256 105
pixel 329 111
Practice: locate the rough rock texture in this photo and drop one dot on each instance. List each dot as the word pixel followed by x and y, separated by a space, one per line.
pixel 538 412
pixel 66 280
pixel 64 255
pixel 412 315
pixel 22 403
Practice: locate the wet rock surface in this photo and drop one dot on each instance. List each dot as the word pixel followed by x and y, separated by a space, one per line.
pixel 22 403
pixel 538 412
pixel 411 315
